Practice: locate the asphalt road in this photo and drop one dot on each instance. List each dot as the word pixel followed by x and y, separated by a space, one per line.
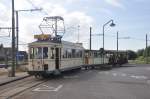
pixel 128 82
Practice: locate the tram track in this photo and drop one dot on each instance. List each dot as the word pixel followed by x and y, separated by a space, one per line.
pixel 10 90
pixel 15 83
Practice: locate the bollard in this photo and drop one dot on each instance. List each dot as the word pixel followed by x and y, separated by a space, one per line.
pixel 9 71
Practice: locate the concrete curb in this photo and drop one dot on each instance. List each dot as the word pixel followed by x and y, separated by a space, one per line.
pixel 9 81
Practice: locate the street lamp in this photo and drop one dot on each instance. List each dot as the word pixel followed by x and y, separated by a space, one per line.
pixel 111 22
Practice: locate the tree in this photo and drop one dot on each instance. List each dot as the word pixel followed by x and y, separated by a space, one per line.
pixel 132 55
pixel 140 52
pixel 147 51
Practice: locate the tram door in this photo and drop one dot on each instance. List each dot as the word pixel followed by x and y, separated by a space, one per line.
pixel 57 58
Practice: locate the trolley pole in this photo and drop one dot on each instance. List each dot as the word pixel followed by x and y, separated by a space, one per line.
pixel 13 41
pixel 103 43
pixel 146 51
pixel 90 38
pixel 55 27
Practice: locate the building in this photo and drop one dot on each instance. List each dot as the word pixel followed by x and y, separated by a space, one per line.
pixel 6 54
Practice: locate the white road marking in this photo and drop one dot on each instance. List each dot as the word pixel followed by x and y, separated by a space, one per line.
pixel 143 77
pixel 71 77
pixel 48 86
pixel 148 81
pixel 123 74
pixel 102 72
pixel 138 77
pixel 148 68
pixel 114 74
pixel 48 89
pixel 59 87
pixel 132 76
pixel 89 71
pixel 106 72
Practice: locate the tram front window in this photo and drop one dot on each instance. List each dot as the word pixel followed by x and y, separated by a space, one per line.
pixel 38 53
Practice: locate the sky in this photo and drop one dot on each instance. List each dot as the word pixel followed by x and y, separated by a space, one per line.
pixel 130 16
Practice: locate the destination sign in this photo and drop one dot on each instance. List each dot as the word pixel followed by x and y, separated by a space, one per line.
pixel 42 36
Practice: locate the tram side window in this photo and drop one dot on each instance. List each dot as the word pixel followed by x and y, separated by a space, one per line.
pixel 77 53
pixel 64 53
pixel 95 54
pixel 80 54
pixel 52 53
pixel 90 54
pixel 69 53
pixel 73 53
pixel 99 55
pixel 45 52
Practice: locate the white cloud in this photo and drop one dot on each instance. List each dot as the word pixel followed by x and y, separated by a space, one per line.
pixel 79 18
pixel 106 11
pixel 22 4
pixel 29 22
pixel 116 3
pixel 5 12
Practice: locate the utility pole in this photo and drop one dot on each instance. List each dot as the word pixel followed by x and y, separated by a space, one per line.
pixel 146 51
pixel 17 37
pixel 13 41
pixel 90 38
pixel 117 44
pixel 78 33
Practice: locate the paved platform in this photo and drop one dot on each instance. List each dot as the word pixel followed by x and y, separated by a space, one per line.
pixel 4 79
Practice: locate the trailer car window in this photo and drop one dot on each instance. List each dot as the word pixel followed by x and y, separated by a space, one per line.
pixel 73 53
pixel 80 54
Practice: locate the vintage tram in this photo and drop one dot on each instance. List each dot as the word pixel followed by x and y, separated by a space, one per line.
pixel 50 55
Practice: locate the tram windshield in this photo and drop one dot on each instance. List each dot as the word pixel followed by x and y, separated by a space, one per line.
pixel 39 53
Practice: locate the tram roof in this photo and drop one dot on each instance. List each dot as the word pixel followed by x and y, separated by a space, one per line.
pixel 115 51
pixel 52 42
pixel 109 51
